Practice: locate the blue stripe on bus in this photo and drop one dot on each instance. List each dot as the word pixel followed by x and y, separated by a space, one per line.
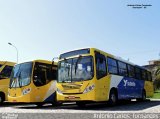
pixel 130 88
pixel 51 98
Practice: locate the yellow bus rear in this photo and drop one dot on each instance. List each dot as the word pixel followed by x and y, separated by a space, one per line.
pixel 33 82
pixel 5 72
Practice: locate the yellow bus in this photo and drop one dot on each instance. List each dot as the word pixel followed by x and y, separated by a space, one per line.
pixel 91 75
pixel 33 82
pixel 5 72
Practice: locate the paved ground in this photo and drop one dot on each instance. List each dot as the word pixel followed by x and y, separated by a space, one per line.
pixel 152 106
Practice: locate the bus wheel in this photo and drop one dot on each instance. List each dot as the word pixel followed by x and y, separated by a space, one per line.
pixel 39 104
pixel 1 98
pixel 56 103
pixel 113 98
pixel 81 104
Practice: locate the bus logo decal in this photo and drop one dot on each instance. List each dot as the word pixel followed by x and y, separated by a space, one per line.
pixel 128 83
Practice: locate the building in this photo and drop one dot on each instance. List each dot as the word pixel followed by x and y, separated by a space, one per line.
pixel 152 64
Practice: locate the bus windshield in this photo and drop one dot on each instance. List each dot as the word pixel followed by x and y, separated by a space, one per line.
pixel 75 69
pixel 21 75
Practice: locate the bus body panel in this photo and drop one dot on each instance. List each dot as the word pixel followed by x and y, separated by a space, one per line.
pixel 4 82
pixel 4 87
pixel 99 93
pixel 90 96
pixel 37 94
pixel 77 87
pixel 148 86
pixel 127 87
pixel 74 91
pixel 102 88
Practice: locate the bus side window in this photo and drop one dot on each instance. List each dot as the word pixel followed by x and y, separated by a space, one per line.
pixel 101 69
pixel 138 73
pixel 143 72
pixel 6 72
pixel 39 77
pixel 51 74
pixel 122 68
pixel 131 71
pixel 54 73
pixel 112 66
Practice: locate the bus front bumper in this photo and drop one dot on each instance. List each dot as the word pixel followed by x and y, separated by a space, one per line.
pixel 76 97
pixel 21 99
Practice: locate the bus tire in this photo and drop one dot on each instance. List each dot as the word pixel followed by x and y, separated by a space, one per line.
pixel 39 104
pixel 113 98
pixel 2 98
pixel 56 103
pixel 81 104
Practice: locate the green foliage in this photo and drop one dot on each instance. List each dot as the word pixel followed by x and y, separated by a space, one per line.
pixel 156 77
pixel 156 94
pixel 157 73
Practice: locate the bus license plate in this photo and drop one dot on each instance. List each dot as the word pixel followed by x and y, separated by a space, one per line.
pixel 71 97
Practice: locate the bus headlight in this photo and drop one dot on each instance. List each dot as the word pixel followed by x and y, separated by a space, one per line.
pixel 59 91
pixel 89 88
pixel 26 91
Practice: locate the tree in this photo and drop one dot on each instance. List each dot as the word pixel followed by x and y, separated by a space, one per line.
pixel 157 73
pixel 156 77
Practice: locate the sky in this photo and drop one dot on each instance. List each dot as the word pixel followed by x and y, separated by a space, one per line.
pixel 43 29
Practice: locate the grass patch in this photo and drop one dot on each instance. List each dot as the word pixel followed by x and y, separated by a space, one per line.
pixel 156 94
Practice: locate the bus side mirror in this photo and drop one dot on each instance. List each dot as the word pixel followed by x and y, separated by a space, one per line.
pixel 52 64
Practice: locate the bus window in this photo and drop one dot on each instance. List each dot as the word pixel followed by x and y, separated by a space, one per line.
pixel 138 73
pixel 122 68
pixel 131 72
pixel 112 66
pixel 144 77
pixel 43 74
pixel 6 72
pixel 52 74
pixel 100 65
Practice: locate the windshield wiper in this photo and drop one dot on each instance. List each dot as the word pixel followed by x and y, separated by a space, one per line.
pixel 67 66
pixel 13 82
pixel 19 79
pixel 79 58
